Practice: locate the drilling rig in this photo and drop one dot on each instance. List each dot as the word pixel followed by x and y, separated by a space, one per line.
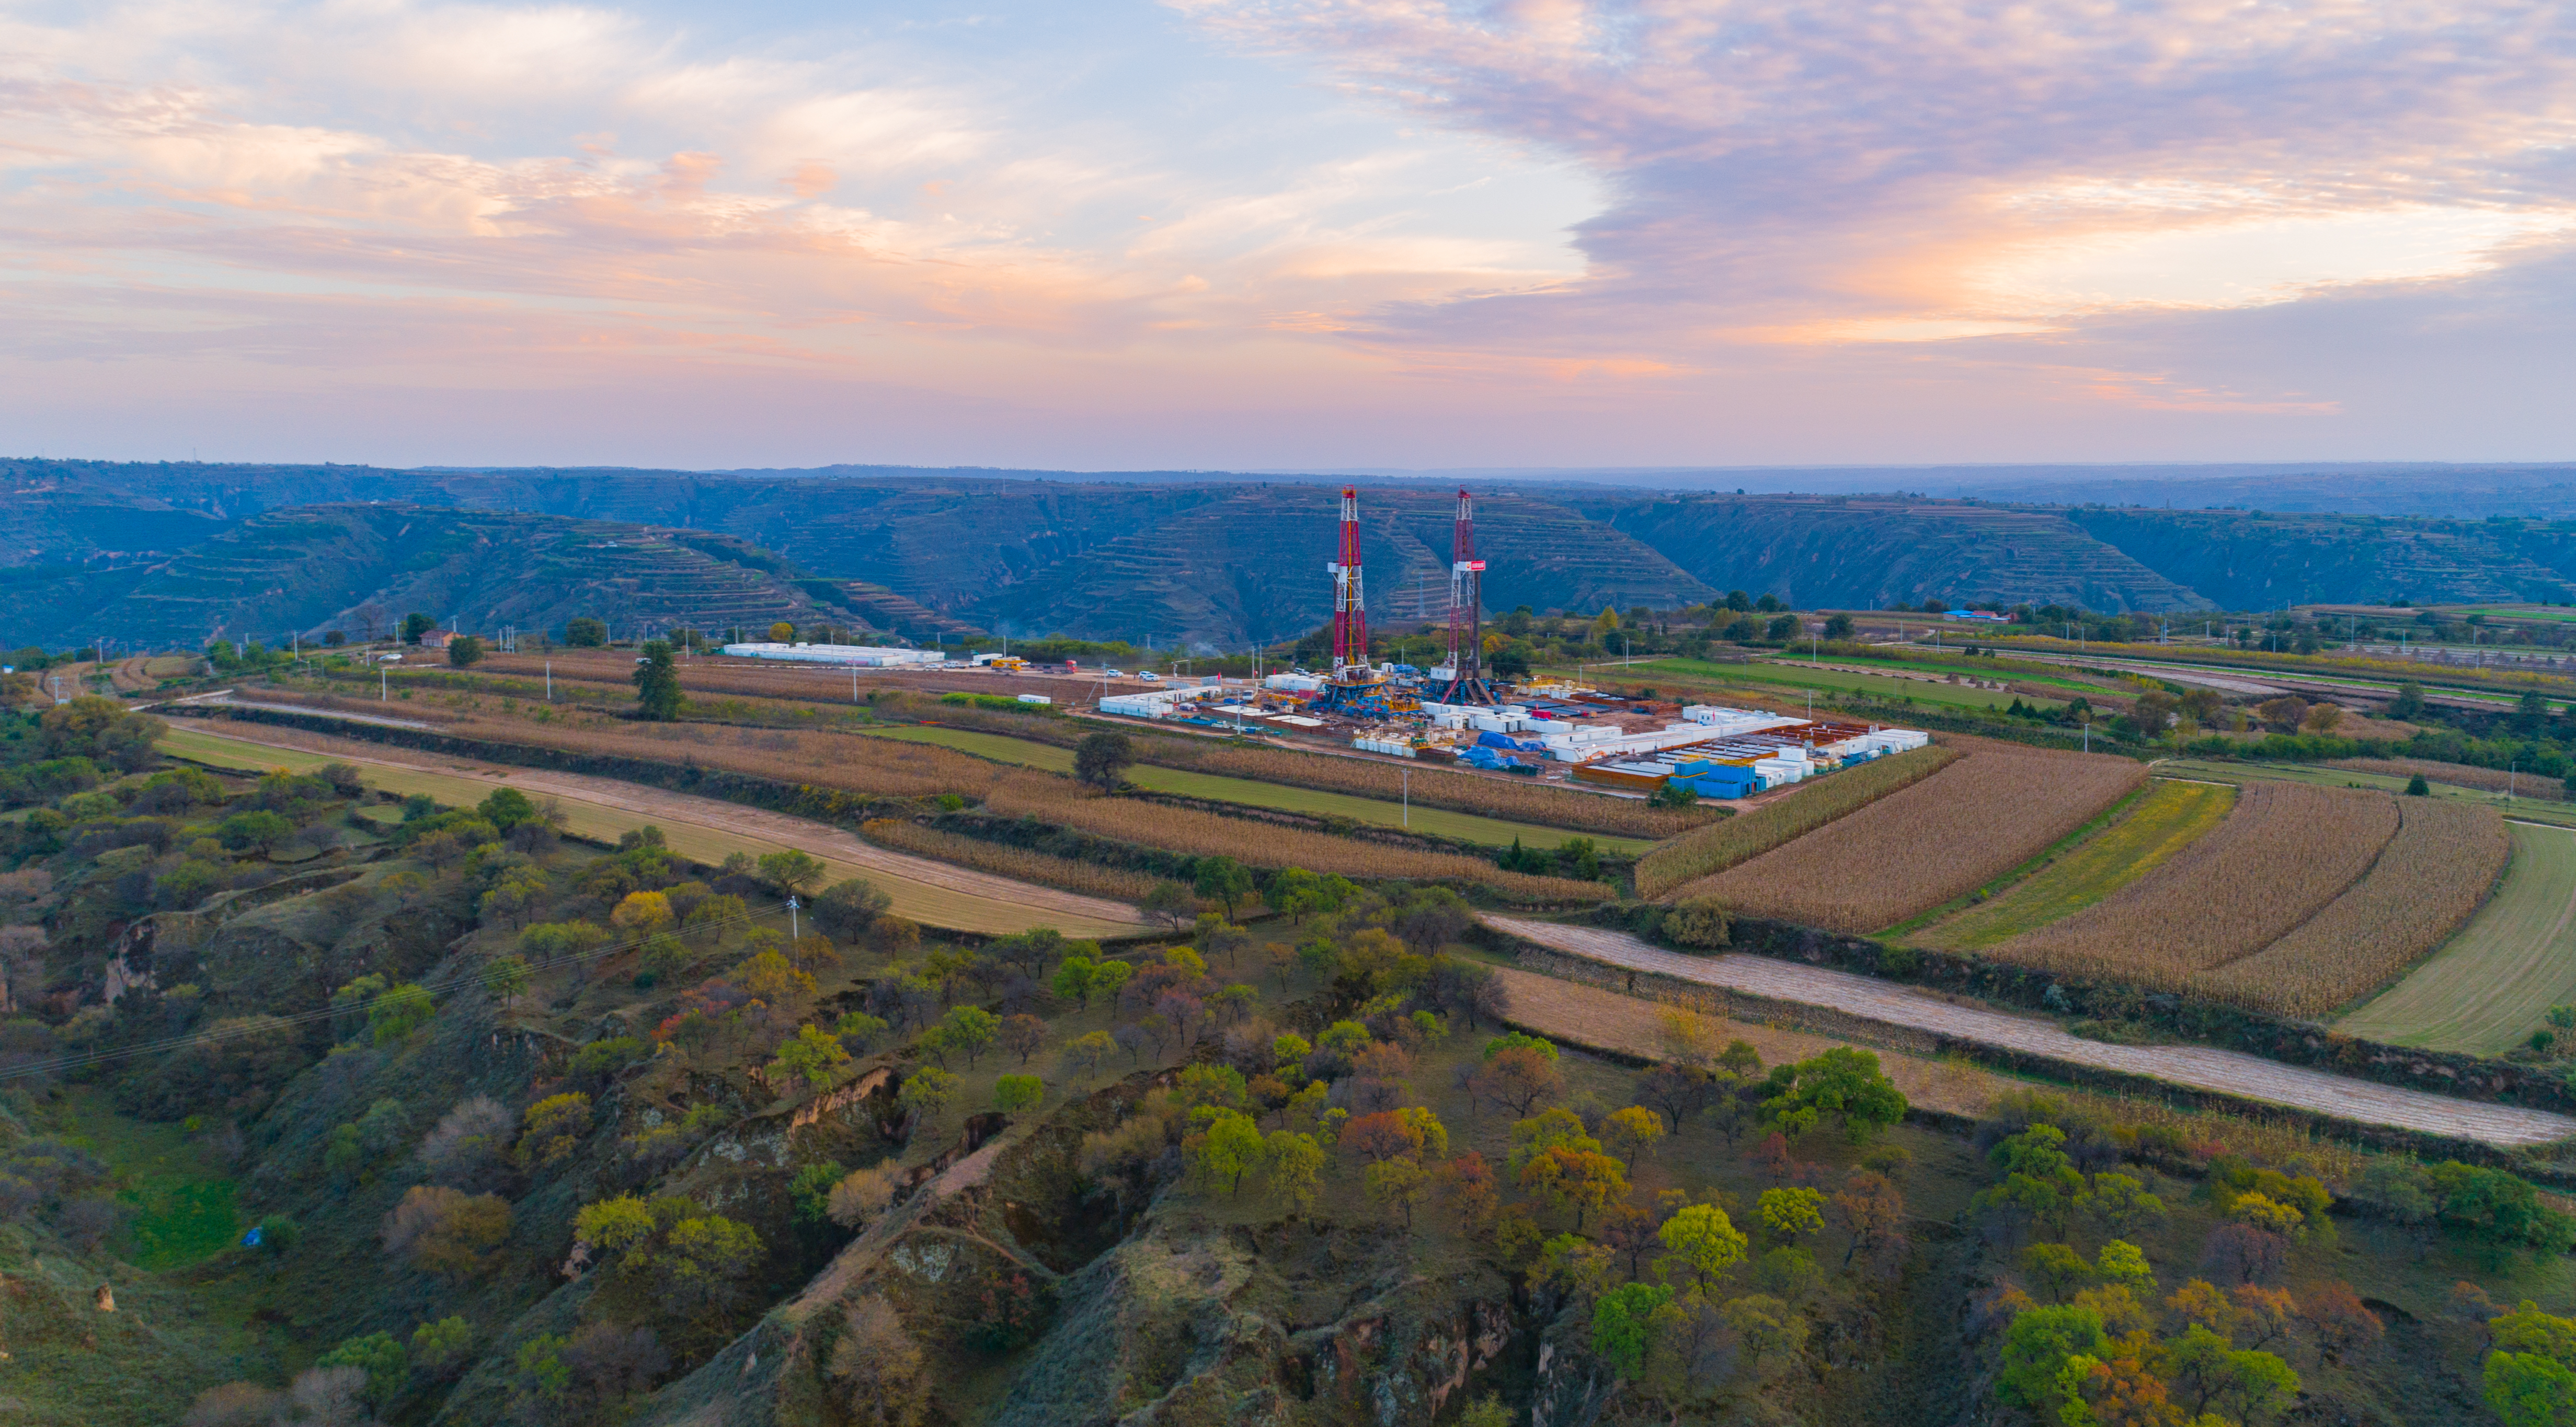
pixel 1463 682
pixel 1356 687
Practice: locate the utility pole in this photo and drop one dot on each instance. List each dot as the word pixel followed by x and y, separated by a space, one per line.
pixel 550 681
pixel 794 933
pixel 383 686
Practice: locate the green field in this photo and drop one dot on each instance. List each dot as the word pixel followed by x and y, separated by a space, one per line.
pixel 1980 669
pixel 2168 819
pixel 2488 988
pixel 2523 809
pixel 1467 827
pixel 923 902
pixel 1782 674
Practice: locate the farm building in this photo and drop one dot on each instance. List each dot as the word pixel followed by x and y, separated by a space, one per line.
pixel 863 655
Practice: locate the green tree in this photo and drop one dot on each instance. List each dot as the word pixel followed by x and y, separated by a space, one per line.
pixel 1294 1164
pixel 1014 1093
pixel 1844 1083
pixel 464 651
pixel 1700 1240
pixel 440 1350
pixel 1792 1212
pixel 1396 1183
pixel 1227 1149
pixel 505 976
pixel 811 1190
pixel 1224 880
pixel 969 1030
pixel 2037 1346
pixel 2124 1263
pixel 848 909
pixel 506 808
pixel 1073 980
pixel 416 624
pixel 393 1016
pixel 2416 787
pixel 584 632
pixel 1623 1324
pixel 657 683
pixel 1169 903
pixel 381 1357
pixel 1102 759
pixel 926 1092
pixel 793 872
pixel 813 1055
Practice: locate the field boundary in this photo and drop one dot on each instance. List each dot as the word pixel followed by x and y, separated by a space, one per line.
pixel 1829 1002
pixel 2038 863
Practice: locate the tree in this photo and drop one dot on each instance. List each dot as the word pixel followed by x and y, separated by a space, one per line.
pixel 1221 879
pixel 1169 903
pixel 1519 1077
pixel 1014 1093
pixel 1294 1164
pixel 926 1092
pixel 381 1357
pixel 793 872
pixel 1581 1180
pixel 1844 1083
pixel 2037 1345
pixel 847 910
pixel 416 624
pixel 445 1231
pixel 782 632
pixel 1700 1240
pixel 2121 1204
pixel 1792 1212
pixel 464 651
pixel 2530 1389
pixel 1396 1183
pixel 553 1130
pixel 505 976
pixel 1023 1036
pixel 583 632
pixel 440 1350
pixel 813 1055
pixel 657 683
pixel 1230 1147
pixel 2057 1268
pixel 1102 760
pixel 1628 1131
pixel 1622 1325
pixel 2416 787
pixel 2124 1263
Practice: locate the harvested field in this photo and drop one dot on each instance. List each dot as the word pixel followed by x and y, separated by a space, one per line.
pixel 2458 775
pixel 2171 817
pixel 2227 1072
pixel 703 829
pixel 1588 1016
pixel 1020 862
pixel 1714 849
pixel 875 767
pixel 1262 844
pixel 2495 981
pixel 2286 852
pixel 1922 845
pixel 2429 879
pixel 1493 797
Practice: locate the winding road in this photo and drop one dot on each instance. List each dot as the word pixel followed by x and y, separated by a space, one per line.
pixel 2198 1067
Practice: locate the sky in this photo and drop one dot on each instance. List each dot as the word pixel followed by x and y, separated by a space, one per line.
pixel 1289 234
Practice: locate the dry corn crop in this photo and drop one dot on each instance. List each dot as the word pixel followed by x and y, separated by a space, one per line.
pixel 1115 883
pixel 1921 846
pixel 1258 843
pixel 1714 849
pixel 2285 852
pixel 2428 880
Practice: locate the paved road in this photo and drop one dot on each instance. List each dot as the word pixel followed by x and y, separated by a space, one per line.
pixel 2198 1067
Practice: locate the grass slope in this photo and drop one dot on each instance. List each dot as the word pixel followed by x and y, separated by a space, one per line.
pixel 2169 818
pixel 922 902
pixel 2515 959
pixel 1468 827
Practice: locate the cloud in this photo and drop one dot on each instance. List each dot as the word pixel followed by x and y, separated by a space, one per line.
pixel 1862 171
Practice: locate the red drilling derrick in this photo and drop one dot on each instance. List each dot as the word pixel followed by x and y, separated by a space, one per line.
pixel 1350 612
pixel 1466 613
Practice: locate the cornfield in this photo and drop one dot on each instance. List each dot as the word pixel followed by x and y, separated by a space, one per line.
pixel 1918 847
pixel 1260 844
pixel 2287 851
pixel 1115 883
pixel 1714 849
pixel 2428 880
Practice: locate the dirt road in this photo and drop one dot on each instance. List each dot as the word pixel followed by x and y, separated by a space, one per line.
pixel 934 893
pixel 2199 1067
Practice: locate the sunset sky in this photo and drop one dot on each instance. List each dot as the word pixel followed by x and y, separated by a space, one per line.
pixel 1298 234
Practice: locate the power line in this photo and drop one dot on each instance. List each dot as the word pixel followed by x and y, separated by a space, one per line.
pixel 209 1037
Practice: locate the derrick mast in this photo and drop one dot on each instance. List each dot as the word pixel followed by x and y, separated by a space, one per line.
pixel 1350 610
pixel 1466 674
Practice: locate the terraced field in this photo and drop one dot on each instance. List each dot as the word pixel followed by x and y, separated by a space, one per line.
pixel 2490 986
pixel 2169 818
pixel 704 829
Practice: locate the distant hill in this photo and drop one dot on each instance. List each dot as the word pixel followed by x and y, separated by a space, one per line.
pixel 173 553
